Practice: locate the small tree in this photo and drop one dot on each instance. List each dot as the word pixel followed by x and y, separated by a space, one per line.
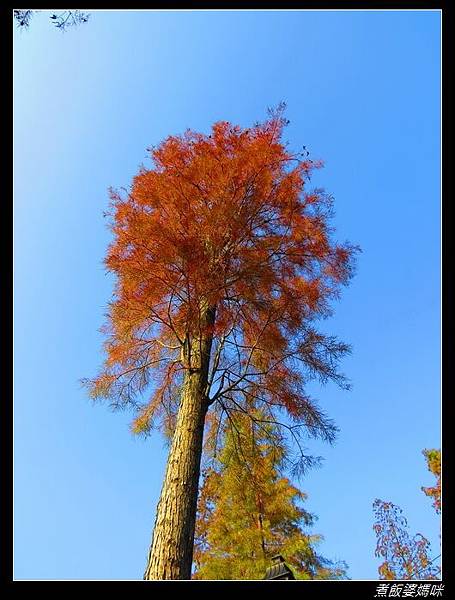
pixel 404 557
pixel 223 262
pixel 249 511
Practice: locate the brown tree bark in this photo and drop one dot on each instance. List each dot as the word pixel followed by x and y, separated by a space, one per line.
pixel 171 551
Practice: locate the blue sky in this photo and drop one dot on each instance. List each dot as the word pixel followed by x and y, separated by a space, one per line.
pixel 363 93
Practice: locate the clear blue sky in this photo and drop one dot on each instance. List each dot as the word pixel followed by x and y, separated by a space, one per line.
pixel 363 93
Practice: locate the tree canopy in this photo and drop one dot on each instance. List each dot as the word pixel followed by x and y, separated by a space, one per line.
pixel 222 221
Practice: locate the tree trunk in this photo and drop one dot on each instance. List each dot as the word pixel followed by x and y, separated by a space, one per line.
pixel 171 550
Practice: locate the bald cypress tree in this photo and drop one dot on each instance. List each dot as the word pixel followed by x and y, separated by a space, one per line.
pixel 224 259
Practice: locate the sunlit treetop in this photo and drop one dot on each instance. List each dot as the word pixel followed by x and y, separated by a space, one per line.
pixel 221 238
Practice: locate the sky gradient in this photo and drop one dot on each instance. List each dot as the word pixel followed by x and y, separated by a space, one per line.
pixel 363 93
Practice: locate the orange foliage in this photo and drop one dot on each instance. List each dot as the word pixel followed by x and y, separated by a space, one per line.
pixel 223 221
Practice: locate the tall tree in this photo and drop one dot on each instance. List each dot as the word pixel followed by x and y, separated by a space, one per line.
pixel 249 511
pixel 223 260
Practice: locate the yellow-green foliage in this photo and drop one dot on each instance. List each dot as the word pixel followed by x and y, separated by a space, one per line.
pixel 249 511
